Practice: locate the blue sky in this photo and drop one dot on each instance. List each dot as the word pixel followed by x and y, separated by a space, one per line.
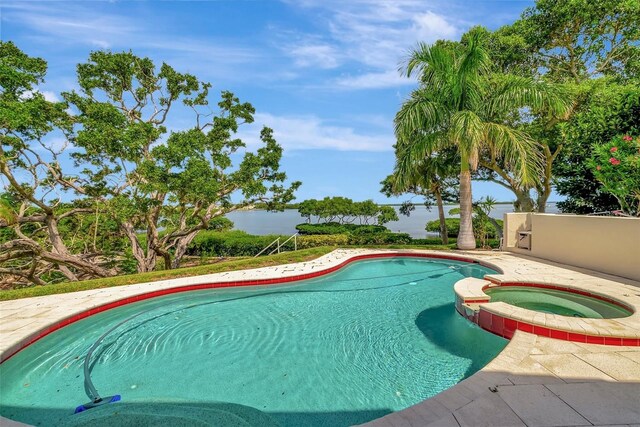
pixel 321 73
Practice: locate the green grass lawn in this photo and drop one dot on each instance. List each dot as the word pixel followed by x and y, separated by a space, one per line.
pixel 231 265
pixel 266 261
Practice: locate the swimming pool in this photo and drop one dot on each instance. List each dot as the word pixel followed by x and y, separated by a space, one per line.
pixel 554 301
pixel 375 337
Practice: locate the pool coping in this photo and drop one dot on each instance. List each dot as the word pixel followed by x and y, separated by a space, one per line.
pixel 504 319
pixel 32 318
pixel 49 318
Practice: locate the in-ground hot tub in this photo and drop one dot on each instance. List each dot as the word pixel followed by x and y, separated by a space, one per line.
pixel 555 301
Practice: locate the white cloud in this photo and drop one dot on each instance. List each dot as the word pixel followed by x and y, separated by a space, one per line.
pixel 54 143
pixel 378 34
pixel 202 51
pixel 310 132
pixel 431 27
pixel 315 55
pixel 74 23
pixel 384 79
pixel 50 96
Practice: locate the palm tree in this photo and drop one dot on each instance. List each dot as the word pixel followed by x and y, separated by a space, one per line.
pixel 460 104
pixel 434 177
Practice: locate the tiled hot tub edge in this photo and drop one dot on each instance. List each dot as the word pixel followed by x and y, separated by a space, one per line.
pixel 489 317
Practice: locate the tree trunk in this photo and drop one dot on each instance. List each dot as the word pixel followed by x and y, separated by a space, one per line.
pixel 524 202
pixel 181 248
pixel 145 262
pixel 60 248
pixel 60 260
pixel 166 257
pixel 544 190
pixel 541 201
pixel 466 240
pixel 444 233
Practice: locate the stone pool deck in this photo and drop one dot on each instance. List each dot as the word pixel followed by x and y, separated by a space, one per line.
pixel 535 381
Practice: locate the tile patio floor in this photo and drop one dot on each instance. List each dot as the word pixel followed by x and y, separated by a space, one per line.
pixel 534 381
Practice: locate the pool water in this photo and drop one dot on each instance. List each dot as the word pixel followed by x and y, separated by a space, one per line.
pixel 556 302
pixel 375 337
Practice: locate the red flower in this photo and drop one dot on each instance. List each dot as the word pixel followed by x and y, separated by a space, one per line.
pixel 598 167
pixel 614 161
pixel 614 149
pixel 627 138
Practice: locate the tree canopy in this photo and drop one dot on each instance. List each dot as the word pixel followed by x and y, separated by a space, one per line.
pixel 583 46
pixel 345 211
pixel 123 168
pixel 461 104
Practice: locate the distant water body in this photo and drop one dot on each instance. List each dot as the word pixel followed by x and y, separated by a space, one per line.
pixel 263 222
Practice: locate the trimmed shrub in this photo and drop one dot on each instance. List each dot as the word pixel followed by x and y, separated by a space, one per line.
pixel 239 243
pixel 380 239
pixel 368 229
pixel 321 229
pixel 429 241
pixel 305 242
pixel 453 227
pixel 336 228
pixel 231 243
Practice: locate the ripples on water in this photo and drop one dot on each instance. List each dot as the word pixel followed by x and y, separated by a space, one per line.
pixel 375 337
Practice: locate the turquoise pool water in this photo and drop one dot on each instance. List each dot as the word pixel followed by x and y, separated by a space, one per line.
pixel 556 302
pixel 375 337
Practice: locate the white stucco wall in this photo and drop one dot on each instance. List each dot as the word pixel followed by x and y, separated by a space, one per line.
pixel 607 244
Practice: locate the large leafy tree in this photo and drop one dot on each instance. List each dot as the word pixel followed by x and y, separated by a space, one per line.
pixel 33 215
pixel 461 104
pixel 607 109
pixel 510 53
pixel 580 39
pixel 583 45
pixel 161 186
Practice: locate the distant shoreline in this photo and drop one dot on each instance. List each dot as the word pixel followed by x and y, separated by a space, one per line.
pixel 457 204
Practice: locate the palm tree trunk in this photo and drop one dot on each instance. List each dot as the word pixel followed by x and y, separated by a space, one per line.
pixel 466 240
pixel 443 223
pixel 524 202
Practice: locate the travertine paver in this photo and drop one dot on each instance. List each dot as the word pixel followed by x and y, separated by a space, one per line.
pixel 614 365
pixel 571 368
pixel 487 411
pixel 508 392
pixel 600 384
pixel 531 371
pixel 536 405
pixel 633 355
pixel 602 403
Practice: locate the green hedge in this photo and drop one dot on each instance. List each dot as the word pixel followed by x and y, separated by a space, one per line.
pixel 230 243
pixel 352 234
pixel 453 227
pixel 305 242
pixel 336 228
pixel 430 241
pixel 380 239
pixel 238 243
